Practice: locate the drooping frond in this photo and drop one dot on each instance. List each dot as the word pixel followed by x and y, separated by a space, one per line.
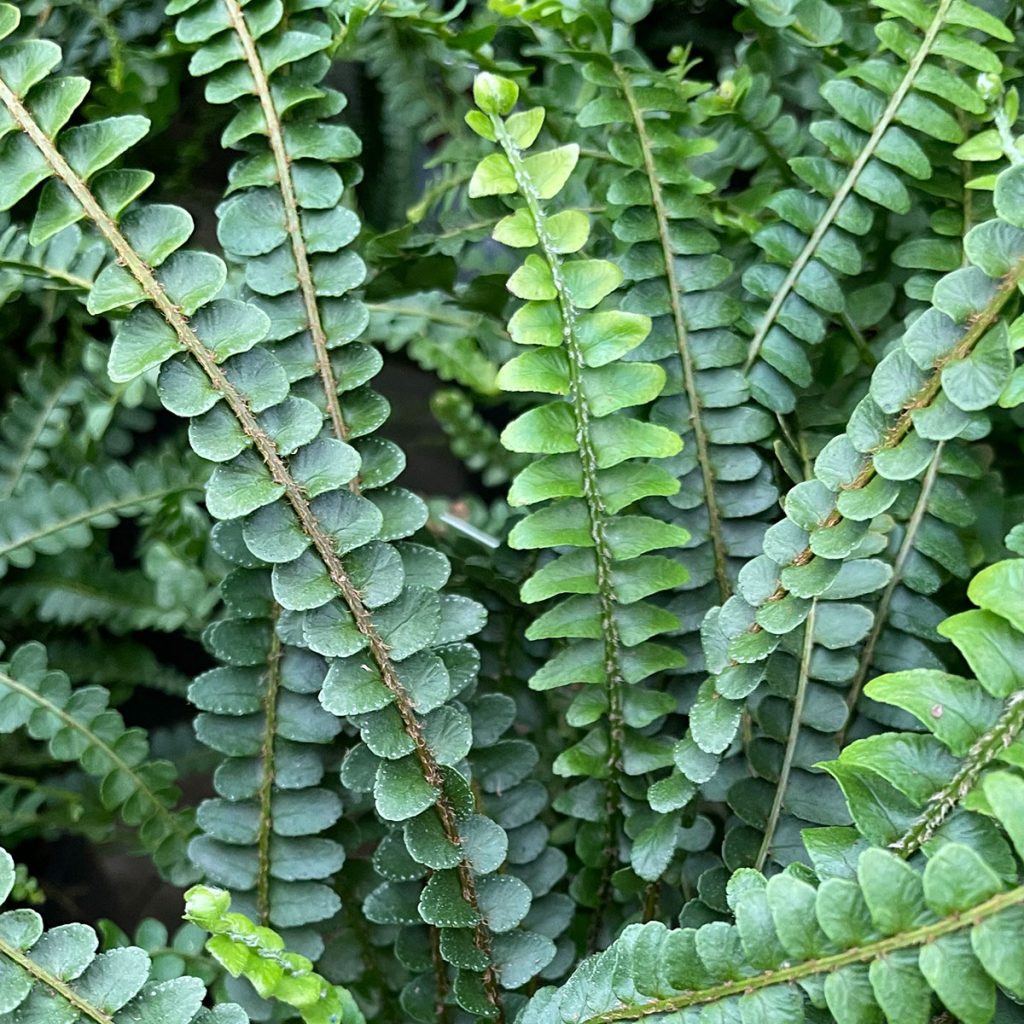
pixel 48 518
pixel 473 439
pixel 438 336
pixel 66 262
pixel 35 422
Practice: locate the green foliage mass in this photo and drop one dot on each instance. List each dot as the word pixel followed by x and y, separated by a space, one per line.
pixel 680 678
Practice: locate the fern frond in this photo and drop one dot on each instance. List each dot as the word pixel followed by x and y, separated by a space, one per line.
pixel 77 587
pixel 262 834
pixel 172 955
pixel 406 50
pixel 907 789
pixel 875 143
pixel 35 422
pixel 376 612
pixel 78 726
pixel 473 439
pixel 66 262
pixel 441 338
pixel 284 221
pixel 594 465
pixel 49 518
pixel 676 274
pixel 888 943
pixel 56 974
pixel 952 364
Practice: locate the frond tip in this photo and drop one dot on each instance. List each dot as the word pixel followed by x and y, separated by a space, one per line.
pixel 258 954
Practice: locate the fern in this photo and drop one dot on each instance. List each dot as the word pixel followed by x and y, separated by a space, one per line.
pixel 57 975
pixel 881 942
pixel 67 262
pixel 305 513
pixel 287 223
pixel 473 439
pixel 52 517
pixel 35 422
pixel 672 260
pixel 952 364
pixel 78 726
pixel 680 712
pixel 257 954
pixel 905 790
pixel 869 152
pixel 261 835
pixel 441 339
pixel 591 470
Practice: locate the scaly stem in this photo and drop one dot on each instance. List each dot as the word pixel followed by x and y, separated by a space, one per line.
pixel 985 749
pixel 910 939
pixel 791 740
pixel 266 792
pixel 849 182
pixel 693 398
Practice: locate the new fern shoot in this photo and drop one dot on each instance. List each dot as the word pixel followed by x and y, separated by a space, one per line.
pixel 676 674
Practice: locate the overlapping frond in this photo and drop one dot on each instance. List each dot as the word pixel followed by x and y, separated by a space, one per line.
pixel 395 642
pixel 891 111
pixel 808 603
